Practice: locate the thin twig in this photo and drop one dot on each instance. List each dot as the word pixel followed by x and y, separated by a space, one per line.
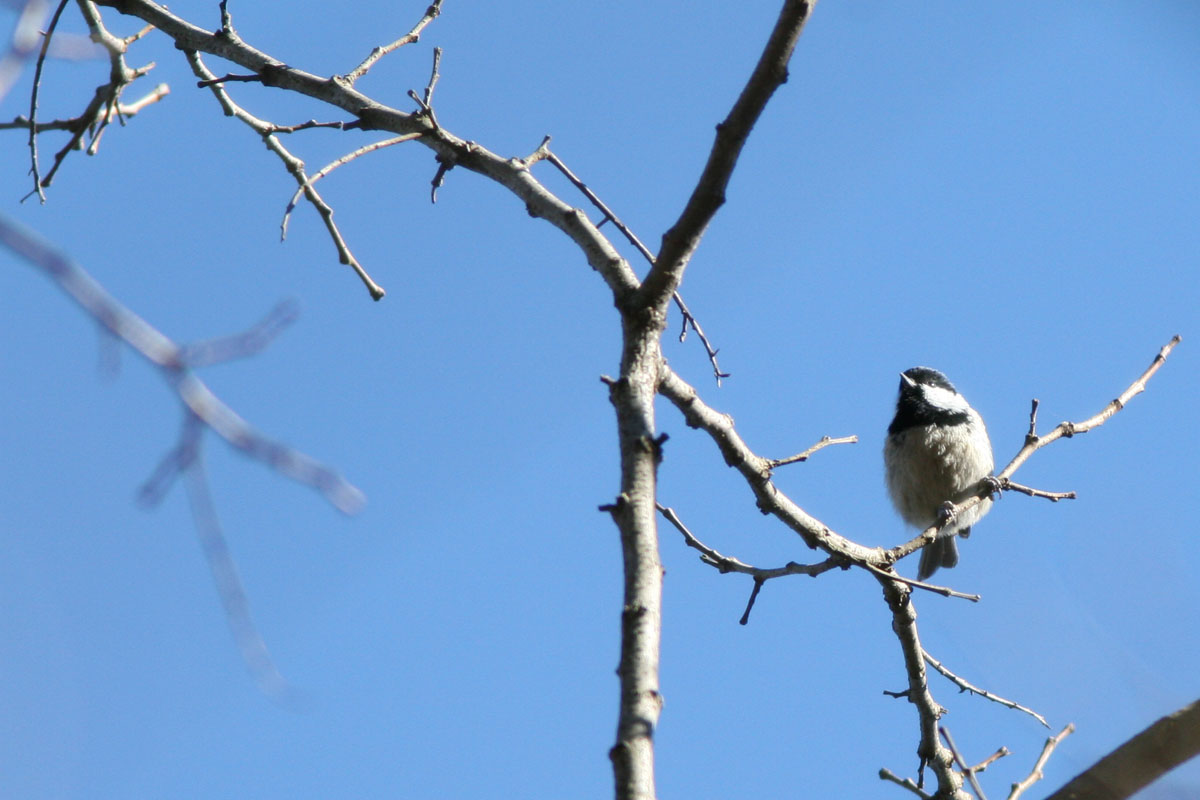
pixel 294 166
pixel 241 345
pixel 993 758
pixel 433 79
pixel 104 106
pixel 725 564
pixel 379 52
pixel 690 319
pixel 825 441
pixel 1008 484
pixel 330 167
pixel 207 82
pixel 965 686
pixel 592 197
pixel 124 110
pixel 33 101
pixel 1035 774
pixel 544 152
pixel 128 40
pixel 961 762
pixel 944 591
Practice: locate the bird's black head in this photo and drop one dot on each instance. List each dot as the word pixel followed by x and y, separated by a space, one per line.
pixel 927 397
pixel 924 376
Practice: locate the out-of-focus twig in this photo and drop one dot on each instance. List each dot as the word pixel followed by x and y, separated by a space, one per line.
pixel 202 410
pixel 172 360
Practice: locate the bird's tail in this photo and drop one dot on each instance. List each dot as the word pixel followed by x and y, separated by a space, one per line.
pixel 942 552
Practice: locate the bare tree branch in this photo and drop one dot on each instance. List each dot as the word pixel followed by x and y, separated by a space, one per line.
pixel 106 101
pixel 125 110
pixel 725 564
pixel 1036 775
pixel 1140 761
pixel 965 686
pixel 825 441
pixel 681 241
pixel 202 409
pixel 906 783
pixel 330 167
pixel 930 750
pixel 757 472
pixel 409 38
pixel 543 152
pixel 945 591
pixel 513 174
pixel 967 772
pixel 294 166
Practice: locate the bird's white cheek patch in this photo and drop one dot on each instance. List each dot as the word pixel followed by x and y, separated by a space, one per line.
pixel 944 398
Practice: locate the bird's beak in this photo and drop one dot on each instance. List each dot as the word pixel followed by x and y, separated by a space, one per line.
pixel 907 381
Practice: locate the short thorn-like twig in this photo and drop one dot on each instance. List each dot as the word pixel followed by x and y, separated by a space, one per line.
pixel 340 125
pixel 541 153
pixel 425 109
pixel 204 84
pixel 439 178
pixel 758 584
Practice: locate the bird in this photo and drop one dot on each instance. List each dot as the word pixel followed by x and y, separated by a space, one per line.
pixel 937 450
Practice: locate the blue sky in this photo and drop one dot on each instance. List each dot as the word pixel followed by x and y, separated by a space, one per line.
pixel 1008 193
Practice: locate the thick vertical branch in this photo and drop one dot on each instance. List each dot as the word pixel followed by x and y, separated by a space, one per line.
pixel 643 318
pixel 634 512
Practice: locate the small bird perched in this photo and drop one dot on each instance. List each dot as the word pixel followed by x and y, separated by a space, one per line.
pixel 937 449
